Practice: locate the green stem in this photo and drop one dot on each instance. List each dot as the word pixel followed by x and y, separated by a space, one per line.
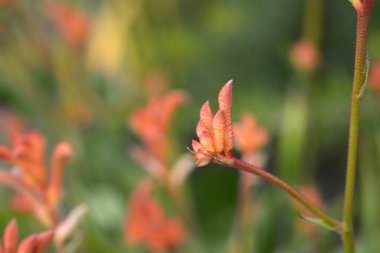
pixel 293 192
pixel 359 76
pixel 313 20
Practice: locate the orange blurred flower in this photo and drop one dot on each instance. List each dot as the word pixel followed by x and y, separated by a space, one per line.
pixel 374 76
pixel 305 55
pixel 151 122
pixel 215 132
pixel 148 224
pixel 38 188
pixel 36 243
pixel 72 24
pixel 249 137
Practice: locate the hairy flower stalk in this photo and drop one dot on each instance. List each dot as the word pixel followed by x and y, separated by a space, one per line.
pixel 363 9
pixel 215 145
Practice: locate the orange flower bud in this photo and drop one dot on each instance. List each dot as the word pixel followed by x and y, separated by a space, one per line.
pixel 225 104
pixel 147 222
pixel 61 153
pixel 215 133
pixel 206 115
pixel 201 157
pixel 218 125
pixel 305 56
pixel 205 137
pixel 249 136
pixel 152 122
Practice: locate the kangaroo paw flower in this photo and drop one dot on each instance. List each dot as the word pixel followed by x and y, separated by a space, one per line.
pixel 215 132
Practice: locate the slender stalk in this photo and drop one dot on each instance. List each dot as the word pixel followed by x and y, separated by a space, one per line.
pixel 363 10
pixel 313 20
pixel 293 192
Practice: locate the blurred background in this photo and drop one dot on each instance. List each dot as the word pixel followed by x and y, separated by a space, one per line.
pixel 85 71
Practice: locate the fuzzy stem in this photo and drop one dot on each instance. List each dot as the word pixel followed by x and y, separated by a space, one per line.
pixel 293 192
pixel 363 11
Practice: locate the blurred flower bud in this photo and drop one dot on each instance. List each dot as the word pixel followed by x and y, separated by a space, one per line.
pixel 305 56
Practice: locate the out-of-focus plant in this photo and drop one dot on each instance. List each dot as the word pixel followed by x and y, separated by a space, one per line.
pixel 36 243
pixel 41 188
pixel 151 123
pixel 38 187
pixel 148 224
pixel 249 139
pixel 305 56
pixel 72 24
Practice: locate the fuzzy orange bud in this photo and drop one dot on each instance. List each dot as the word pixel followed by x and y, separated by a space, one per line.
pixel 218 125
pixel 201 157
pixel 225 104
pixel 305 56
pixel 205 137
pixel 215 133
pixel 206 115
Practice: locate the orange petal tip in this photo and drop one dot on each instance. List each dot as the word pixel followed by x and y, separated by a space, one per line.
pixel 219 131
pixel 206 115
pixel 10 236
pixel 225 95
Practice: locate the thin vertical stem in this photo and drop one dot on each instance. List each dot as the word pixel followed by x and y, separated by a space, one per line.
pixel 313 20
pixel 363 11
